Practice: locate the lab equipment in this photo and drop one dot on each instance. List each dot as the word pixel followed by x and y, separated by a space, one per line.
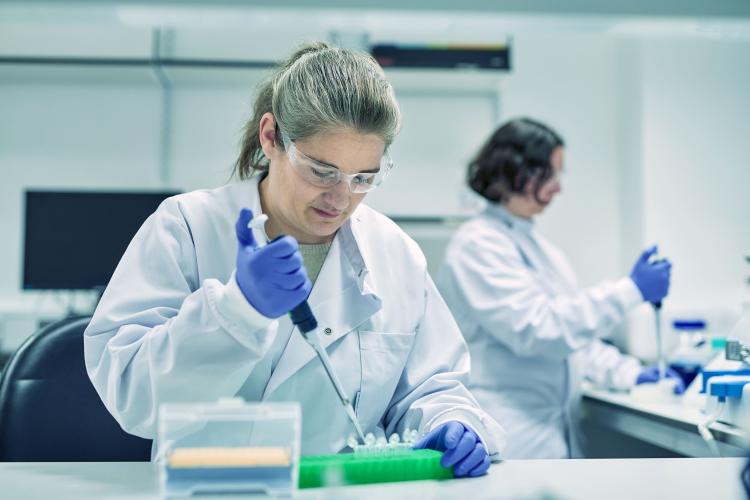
pixel 360 468
pixel 307 325
pixel 271 277
pixel 727 391
pixel 463 450
pixel 728 401
pixel 258 222
pixel 694 348
pixel 74 239
pixel 229 447
pixel 654 374
pixel 736 357
pixel 730 389
pixel 375 460
pixel 378 446
pixel 651 278
pixel 660 357
pixel 737 351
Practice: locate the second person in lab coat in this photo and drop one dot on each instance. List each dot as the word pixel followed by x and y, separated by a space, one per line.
pixel 196 310
pixel 532 332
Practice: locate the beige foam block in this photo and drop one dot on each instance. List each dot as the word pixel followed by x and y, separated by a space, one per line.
pixel 230 457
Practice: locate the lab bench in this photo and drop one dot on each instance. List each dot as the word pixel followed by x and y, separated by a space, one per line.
pixel 670 424
pixel 683 478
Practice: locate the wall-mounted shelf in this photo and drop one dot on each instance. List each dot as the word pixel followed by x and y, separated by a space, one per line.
pixel 60 69
pixel 46 69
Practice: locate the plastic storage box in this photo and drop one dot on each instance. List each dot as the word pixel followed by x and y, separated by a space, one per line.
pixel 230 447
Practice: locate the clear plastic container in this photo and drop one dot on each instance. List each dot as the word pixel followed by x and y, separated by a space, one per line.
pixel 229 447
pixel 694 349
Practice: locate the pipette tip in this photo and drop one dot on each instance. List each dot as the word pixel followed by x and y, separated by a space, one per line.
pixel 355 421
pixel 257 222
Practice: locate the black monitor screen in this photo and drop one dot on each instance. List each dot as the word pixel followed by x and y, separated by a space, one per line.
pixel 74 240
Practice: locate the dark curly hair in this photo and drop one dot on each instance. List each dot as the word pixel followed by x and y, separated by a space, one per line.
pixel 517 152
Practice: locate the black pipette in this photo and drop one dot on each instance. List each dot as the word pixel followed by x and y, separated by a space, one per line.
pixel 306 323
pixel 661 361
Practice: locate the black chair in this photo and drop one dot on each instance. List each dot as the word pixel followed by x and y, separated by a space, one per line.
pixel 49 410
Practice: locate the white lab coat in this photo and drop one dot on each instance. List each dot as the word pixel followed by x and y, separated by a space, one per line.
pixel 173 326
pixel 532 333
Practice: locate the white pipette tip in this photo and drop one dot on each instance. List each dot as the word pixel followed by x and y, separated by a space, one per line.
pixel 355 421
pixel 257 222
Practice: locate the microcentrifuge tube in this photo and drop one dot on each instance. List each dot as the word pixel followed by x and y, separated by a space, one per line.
pixel 370 439
pixel 381 444
pixel 406 437
pixel 352 441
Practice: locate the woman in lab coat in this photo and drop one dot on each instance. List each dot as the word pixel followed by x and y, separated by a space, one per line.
pixel 196 309
pixel 532 332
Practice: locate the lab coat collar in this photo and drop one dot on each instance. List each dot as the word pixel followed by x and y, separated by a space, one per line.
pixel 513 221
pixel 342 299
pixel 357 250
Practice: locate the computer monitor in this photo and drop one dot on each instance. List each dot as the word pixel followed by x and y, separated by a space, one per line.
pixel 74 239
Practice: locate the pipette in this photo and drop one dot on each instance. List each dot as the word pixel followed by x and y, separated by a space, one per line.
pixel 305 321
pixel 661 361
pixel 303 317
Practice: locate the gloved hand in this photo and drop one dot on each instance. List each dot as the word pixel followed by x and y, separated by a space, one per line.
pixel 650 375
pixel 273 278
pixel 463 449
pixel 651 279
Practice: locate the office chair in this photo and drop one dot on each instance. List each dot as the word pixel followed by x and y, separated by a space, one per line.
pixel 49 410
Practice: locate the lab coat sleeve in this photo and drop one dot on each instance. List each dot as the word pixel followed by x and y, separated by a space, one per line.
pixel 158 336
pixel 608 368
pixel 507 300
pixel 432 389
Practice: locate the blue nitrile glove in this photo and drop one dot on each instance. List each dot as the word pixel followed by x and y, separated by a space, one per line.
pixel 273 278
pixel 650 375
pixel 463 449
pixel 652 279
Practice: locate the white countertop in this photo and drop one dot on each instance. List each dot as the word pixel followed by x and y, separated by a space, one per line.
pixel 669 421
pixel 683 478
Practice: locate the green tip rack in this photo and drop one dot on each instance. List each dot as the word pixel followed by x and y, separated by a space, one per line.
pixel 350 468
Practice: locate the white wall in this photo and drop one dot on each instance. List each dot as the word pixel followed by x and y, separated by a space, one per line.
pixel 696 164
pixel 441 130
pixel 207 127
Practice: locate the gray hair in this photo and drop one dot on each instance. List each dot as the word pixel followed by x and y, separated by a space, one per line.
pixel 318 89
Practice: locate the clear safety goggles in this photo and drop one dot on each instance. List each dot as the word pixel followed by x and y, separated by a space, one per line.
pixel 327 176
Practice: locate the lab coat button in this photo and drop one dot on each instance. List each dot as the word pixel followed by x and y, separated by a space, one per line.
pixel 327 331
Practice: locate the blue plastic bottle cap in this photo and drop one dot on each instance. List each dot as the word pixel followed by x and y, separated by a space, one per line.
pixel 689 324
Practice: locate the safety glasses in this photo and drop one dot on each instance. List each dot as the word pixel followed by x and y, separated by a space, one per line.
pixel 327 176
